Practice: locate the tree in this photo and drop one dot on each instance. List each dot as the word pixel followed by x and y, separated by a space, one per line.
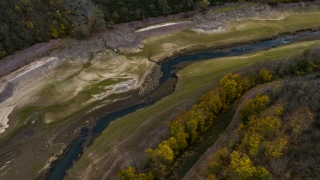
pixel 2 51
pixel 176 128
pixel 96 19
pixel 204 5
pixel 265 75
pixel 115 16
pixel 54 29
pixel 253 106
pixel 130 174
pixel 232 85
pixel 191 125
pixel 172 143
pixel 273 149
pixel 252 140
pixel 242 165
pixel 261 174
pixel 162 156
pixel 219 159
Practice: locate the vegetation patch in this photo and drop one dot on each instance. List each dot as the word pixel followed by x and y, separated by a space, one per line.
pixel 194 80
pixel 186 128
pixel 242 31
pixel 273 137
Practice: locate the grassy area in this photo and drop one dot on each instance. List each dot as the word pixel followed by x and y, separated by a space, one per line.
pixel 241 31
pixel 124 135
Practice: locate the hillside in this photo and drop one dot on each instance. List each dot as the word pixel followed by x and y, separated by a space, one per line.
pixel 26 22
pixel 280 142
pixel 275 119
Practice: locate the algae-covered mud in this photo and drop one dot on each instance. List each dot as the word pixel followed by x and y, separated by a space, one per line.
pixel 70 84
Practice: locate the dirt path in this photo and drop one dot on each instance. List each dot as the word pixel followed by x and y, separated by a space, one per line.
pixel 200 164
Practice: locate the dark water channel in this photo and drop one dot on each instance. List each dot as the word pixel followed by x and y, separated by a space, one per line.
pixel 168 69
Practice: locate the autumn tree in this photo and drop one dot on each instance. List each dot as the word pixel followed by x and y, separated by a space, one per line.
pixel 265 75
pixel 242 165
pixel 235 85
pixel 130 174
pixel 204 5
pixel 192 123
pixel 220 159
pixel 262 173
pixel 177 131
pixel 162 156
pixel 253 106
pixel 273 149
pixel 252 140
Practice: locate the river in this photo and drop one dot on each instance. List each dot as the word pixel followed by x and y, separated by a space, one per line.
pixel 87 135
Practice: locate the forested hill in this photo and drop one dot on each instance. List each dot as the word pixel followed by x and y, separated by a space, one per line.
pixel 26 22
pixel 127 10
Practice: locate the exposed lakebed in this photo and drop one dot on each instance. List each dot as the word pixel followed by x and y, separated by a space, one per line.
pixel 166 86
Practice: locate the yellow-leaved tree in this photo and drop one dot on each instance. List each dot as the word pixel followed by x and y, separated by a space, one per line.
pixel 130 174
pixel 162 156
pixel 265 75
pixel 235 85
pixel 253 106
pixel 273 149
pixel 244 169
pixel 176 128
pixel 242 165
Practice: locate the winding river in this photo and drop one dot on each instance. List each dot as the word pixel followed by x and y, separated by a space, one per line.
pixel 87 135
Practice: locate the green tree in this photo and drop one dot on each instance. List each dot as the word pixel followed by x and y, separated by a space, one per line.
pixel 115 16
pixel 96 19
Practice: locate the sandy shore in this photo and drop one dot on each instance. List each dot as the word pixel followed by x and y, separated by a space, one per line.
pixel 162 25
pixel 4 113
